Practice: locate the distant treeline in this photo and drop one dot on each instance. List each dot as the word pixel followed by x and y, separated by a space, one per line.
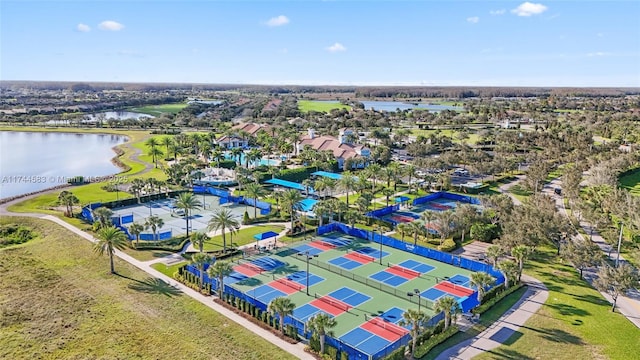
pixel 456 92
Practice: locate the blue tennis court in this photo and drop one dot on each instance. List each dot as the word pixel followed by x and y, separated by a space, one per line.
pixel 372 252
pixel 306 249
pixel 338 242
pixel 393 315
pixel 417 266
pixel 235 277
pixel 268 263
pixel 265 293
pixel 459 280
pixel 434 294
pixel 388 278
pixel 345 263
pixel 301 278
pixel 363 340
pixel 304 312
pixel 350 296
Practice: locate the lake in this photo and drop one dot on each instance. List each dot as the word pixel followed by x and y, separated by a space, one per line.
pixel 32 161
pixel 393 105
pixel 117 115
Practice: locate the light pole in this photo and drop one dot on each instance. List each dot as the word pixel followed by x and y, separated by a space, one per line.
pixel 416 292
pixel 380 254
pixel 308 257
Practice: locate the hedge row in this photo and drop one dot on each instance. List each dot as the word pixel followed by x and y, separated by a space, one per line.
pixel 174 244
pixel 495 298
pixel 437 339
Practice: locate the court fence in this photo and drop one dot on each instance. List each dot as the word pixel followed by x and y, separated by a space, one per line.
pixel 446 195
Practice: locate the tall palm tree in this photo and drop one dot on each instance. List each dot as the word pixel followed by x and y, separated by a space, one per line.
pixel 155 153
pixel 446 224
pixel 188 202
pixel 200 260
pixel 417 320
pixel 236 154
pixel 374 173
pixel 283 307
pixel 137 185
pixel 223 220
pixel 403 229
pixel 415 229
pixel 254 191
pixel 154 223
pixel 410 171
pixel 198 239
pixel 136 229
pixel 103 216
pixel 509 269
pixel 493 253
pixel 387 192
pixel 320 325
pixel 481 280
pixel 428 217
pixel 322 209
pixel 109 239
pixel 348 183
pixel 291 201
pixel 449 306
pixel 68 199
pixel 521 253
pixel 167 142
pixel 220 269
pixel 352 217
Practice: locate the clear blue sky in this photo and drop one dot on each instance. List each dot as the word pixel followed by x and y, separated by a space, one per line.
pixel 504 43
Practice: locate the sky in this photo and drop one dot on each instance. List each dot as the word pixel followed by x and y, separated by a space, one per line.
pixel 440 43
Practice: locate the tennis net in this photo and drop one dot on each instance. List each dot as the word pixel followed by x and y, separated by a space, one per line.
pixel 335 303
pixel 389 326
pixel 251 267
pixel 289 283
pixel 404 269
pixel 361 256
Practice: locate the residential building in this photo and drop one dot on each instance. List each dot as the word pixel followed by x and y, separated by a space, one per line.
pixel 341 147
pixel 240 135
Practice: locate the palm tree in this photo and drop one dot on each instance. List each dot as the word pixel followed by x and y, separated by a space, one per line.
pixel 449 306
pixel 521 253
pixel 136 229
pixel 137 185
pixel 198 239
pixel 103 216
pixel 283 307
pixel 387 192
pixel 348 183
pixel 155 153
pixel 152 142
pixel 254 191
pixel 220 269
pixel 374 173
pixel 200 260
pixel 403 229
pixel 428 217
pixel 322 209
pixel 352 217
pixel 509 269
pixel 320 326
pixel 67 199
pixel 415 229
pixel 236 154
pixel 446 224
pixel 493 253
pixel 154 223
pixel 481 280
pixel 167 142
pixel 291 201
pixel 188 202
pixel 109 239
pixel 418 322
pixel 223 219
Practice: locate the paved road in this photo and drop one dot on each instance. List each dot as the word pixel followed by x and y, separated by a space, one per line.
pixel 507 325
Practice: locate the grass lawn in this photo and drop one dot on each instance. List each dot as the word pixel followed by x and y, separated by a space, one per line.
pixel 576 322
pixel 472 140
pixel 486 320
pixel 58 301
pixel 320 106
pixel 168 270
pixel 157 110
pixel 631 182
pixel 146 255
pixel 520 192
pixel 242 237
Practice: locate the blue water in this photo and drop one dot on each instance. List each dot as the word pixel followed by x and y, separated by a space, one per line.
pixel 265 162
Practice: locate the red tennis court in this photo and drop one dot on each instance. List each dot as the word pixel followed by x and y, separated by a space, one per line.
pixel 384 329
pixel 362 259
pixel 331 305
pixel 286 286
pixel 453 289
pixel 318 244
pixel 246 270
pixel 403 272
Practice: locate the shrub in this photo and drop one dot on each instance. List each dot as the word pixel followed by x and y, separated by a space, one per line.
pixel 423 349
pixel 448 245
pixel 296 174
pixel 246 220
pixel 13 234
pixel 227 164
pixel 501 295
pixel 484 232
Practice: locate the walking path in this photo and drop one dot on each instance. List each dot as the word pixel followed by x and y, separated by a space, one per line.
pixel 507 325
pixel 294 349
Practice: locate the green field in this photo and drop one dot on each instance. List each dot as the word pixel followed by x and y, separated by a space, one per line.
pixel 575 322
pixel 58 301
pixel 631 182
pixel 320 106
pixel 472 140
pixel 168 270
pixel 242 237
pixel 157 110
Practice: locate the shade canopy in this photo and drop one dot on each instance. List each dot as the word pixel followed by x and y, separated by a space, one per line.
pixel 400 199
pixel 265 235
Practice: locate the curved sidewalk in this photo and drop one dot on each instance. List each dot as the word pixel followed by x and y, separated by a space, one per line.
pixel 507 325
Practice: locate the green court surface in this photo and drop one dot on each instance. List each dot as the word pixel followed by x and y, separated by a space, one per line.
pixel 383 295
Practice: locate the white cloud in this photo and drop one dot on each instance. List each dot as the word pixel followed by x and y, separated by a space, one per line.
pixel 277 21
pixel 83 28
pixel 528 9
pixel 110 25
pixel 598 53
pixel 337 47
pixel 473 19
pixel 498 12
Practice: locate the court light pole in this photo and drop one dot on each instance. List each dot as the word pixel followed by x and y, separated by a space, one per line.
pixel 308 257
pixel 417 292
